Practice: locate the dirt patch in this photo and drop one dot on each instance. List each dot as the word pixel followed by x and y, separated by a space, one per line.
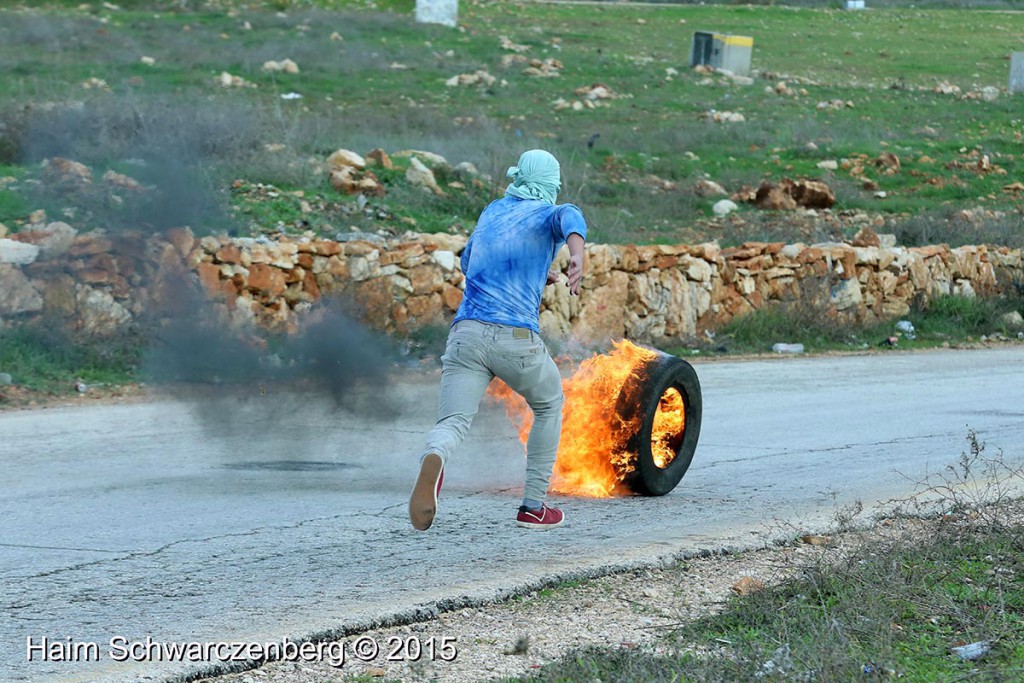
pixel 14 397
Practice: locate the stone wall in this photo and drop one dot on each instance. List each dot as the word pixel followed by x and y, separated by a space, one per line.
pixel 651 293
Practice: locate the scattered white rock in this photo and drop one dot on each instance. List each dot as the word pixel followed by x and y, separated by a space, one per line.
pixel 479 77
pixel 123 181
pixel 418 174
pixel 1012 320
pixel 431 159
pixel 17 253
pixel 445 259
pixel 148 61
pixel 546 68
pixel 507 44
pixel 725 116
pixel 95 84
pixel 285 65
pixel 597 91
pixel 724 207
pixel 468 168
pixel 835 104
pixel 709 188
pixel 972 651
pixel 19 294
pixel 828 165
pixel 344 157
pixel 227 80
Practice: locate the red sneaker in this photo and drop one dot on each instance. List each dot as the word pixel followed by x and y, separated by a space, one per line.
pixel 545 518
pixel 423 501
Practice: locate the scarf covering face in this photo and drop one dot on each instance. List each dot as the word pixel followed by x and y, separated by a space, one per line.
pixel 536 177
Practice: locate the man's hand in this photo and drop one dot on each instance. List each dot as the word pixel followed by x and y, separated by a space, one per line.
pixel 575 274
pixel 553 277
pixel 575 271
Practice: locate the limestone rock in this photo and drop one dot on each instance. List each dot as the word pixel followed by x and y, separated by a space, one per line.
pixel 1012 320
pixel 601 309
pixel 98 312
pixel 747 585
pixel 889 163
pixel 266 280
pixel 725 117
pixel 60 171
pixel 443 241
pixel 285 65
pixel 431 159
pixel 378 157
pixel 789 194
pixel 774 197
pixel 54 239
pixel 478 77
pixel 18 253
pixel 421 176
pixel 724 207
pixel 597 91
pixel 227 80
pixel 123 182
pixel 445 259
pixel 17 293
pixel 846 294
pixel 543 68
pixel 350 180
pixel 344 158
pixel 866 237
pixel 709 188
pixel 468 168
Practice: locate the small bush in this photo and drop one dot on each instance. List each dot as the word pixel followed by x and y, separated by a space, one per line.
pixel 959 316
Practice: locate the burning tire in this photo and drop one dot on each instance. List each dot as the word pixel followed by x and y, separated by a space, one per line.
pixel 666 396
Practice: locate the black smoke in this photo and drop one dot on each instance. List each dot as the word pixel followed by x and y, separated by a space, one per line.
pixel 234 378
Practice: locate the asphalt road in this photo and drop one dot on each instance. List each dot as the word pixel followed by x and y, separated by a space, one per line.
pixel 183 522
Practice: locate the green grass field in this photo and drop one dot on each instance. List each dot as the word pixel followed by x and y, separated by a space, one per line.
pixel 244 160
pixel 370 77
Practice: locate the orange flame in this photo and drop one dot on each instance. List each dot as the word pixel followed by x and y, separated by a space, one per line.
pixel 593 455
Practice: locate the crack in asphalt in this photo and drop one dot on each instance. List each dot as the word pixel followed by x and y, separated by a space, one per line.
pixel 58 547
pixel 832 449
pixel 132 555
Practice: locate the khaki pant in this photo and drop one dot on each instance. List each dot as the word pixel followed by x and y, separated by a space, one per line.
pixel 477 352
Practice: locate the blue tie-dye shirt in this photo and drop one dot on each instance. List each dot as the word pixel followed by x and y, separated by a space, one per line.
pixel 508 256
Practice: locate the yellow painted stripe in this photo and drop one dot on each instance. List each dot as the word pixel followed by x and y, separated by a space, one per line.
pixel 744 41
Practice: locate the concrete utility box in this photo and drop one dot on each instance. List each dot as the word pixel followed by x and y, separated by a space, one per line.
pixel 1016 72
pixel 444 12
pixel 722 51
